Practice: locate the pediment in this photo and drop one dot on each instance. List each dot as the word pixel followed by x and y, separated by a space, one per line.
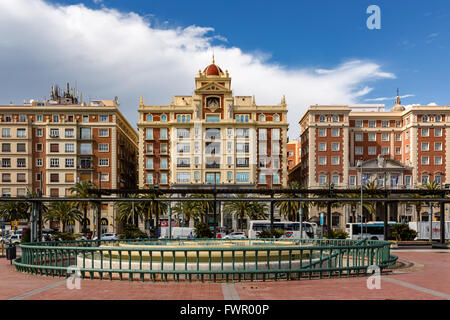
pixel 213 87
pixel 384 163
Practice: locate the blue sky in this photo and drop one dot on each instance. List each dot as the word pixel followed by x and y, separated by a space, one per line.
pixel 413 43
pixel 314 52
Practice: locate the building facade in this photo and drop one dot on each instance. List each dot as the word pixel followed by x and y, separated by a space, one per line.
pixel 399 148
pixel 213 137
pixel 50 145
pixel 293 153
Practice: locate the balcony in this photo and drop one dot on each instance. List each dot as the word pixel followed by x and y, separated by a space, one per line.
pixel 213 164
pixel 183 165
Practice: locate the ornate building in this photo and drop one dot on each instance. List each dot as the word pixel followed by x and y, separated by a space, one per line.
pixel 213 137
pixel 399 148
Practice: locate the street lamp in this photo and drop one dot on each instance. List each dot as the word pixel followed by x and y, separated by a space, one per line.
pixel 360 164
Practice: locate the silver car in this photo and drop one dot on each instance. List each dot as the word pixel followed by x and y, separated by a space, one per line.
pixel 236 235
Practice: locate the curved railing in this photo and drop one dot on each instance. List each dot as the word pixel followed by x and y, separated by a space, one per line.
pixel 205 259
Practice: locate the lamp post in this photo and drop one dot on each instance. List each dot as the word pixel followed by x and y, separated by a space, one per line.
pixel 360 164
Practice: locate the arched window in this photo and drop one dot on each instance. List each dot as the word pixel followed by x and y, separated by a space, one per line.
pixel 183 119
pixel 149 117
pixel 164 118
pixel 246 118
pixel 261 117
pixel 276 117
pixel 322 118
pixel 242 118
pixel 424 118
pixel 179 118
pixel 438 118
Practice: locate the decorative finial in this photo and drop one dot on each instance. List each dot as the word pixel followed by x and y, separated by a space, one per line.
pixel 253 100
pixel 171 99
pixel 213 58
pixel 397 100
pixel 283 100
pixel 141 101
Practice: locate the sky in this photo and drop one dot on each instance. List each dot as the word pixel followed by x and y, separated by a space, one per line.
pixel 313 52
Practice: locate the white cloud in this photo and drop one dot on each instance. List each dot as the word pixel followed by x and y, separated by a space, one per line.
pixel 390 98
pixel 97 1
pixel 112 53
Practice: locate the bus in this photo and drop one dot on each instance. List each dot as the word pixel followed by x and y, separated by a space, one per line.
pixel 373 230
pixel 291 229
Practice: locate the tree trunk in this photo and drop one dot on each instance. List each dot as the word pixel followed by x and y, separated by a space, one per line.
pixel 83 226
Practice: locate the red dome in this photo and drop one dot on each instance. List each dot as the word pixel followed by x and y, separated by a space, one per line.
pixel 212 70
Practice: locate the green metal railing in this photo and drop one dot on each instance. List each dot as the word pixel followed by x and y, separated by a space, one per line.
pixel 206 259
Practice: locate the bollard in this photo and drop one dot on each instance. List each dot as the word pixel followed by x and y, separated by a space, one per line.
pixel 11 253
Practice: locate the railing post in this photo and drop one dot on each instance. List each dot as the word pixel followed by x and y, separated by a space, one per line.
pixel 271 213
pixel 385 220
pixel 442 222
pixel 99 221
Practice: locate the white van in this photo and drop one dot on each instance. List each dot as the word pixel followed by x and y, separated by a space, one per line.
pixel 177 233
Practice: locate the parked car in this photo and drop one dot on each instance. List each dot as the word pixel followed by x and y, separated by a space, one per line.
pixel 236 235
pixel 109 236
pixel 13 239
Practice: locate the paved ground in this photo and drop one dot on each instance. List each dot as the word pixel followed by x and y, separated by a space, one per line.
pixel 428 279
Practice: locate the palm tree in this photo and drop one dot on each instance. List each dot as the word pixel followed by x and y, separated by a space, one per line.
pixel 15 210
pixel 64 212
pixel 290 209
pixel 187 209
pixel 370 206
pixel 129 212
pixel 430 185
pixel 251 209
pixel 202 208
pixel 154 209
pixel 81 190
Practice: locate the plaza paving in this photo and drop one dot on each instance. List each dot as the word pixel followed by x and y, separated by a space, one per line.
pixel 427 279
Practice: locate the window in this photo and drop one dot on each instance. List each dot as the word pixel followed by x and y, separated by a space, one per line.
pixel 358 123
pixel 38 176
pixel 6 132
pixel 244 147
pixel 54 133
pixel 183 147
pixel 425 132
pixel 425 160
pixel 407 148
pixel 103 147
pixel 261 117
pixel 54 177
pixel 322 132
pixel 437 118
pixel 275 148
pixel 215 118
pixel 358 137
pixel 229 160
pixel 385 137
pixel 385 124
pixel 438 160
pixel 54 163
pixel 335 118
pixel 335 180
pixel 335 146
pixel 424 118
pixel 407 180
pixel 163 177
pixel 398 137
pixel 275 134
pixel 149 178
pixel 242 177
pixel 149 117
pixel 372 136
pixel 69 133
pixel 39 118
pixel 70 163
pixel 262 134
pixel 372 124
pixel 21 133
pixel 149 148
pixel 398 150
pixel 103 118
pixel 385 150
pixel 6 147
pixel 103 162
pixel 334 160
pixel 183 177
pixel 164 119
pixel 425 146
pixel 85 148
pixel 243 133
pixel 54 192
pixel 163 148
pixel 6 177
pixel 85 118
pixel 39 162
pixel 322 161
pixel 438 146
pixel 55 118
pixel 352 180
pixel 276 178
pixel 21 163
pixel 6 192
pixel 39 132
pixel 183 162
pixel 276 118
pixel 438 132
pixel 262 178
pixel 85 133
pixel 6 163
pixel 335 132
pixel 322 118
pixel 424 179
pixel 398 124
pixel 322 180
pixel 372 151
pixel 407 135
pixel 262 162
pixel 21 192
pixel 21 147
pixel 163 163
pixel 54 147
pixel 163 134
pixel 39 147
pixel 149 133
pixel 263 148
pixel 103 132
pixel 322 146
pixel 196 175
pixel 438 178
pixel 359 150
pixel 242 162
pixel 69 177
